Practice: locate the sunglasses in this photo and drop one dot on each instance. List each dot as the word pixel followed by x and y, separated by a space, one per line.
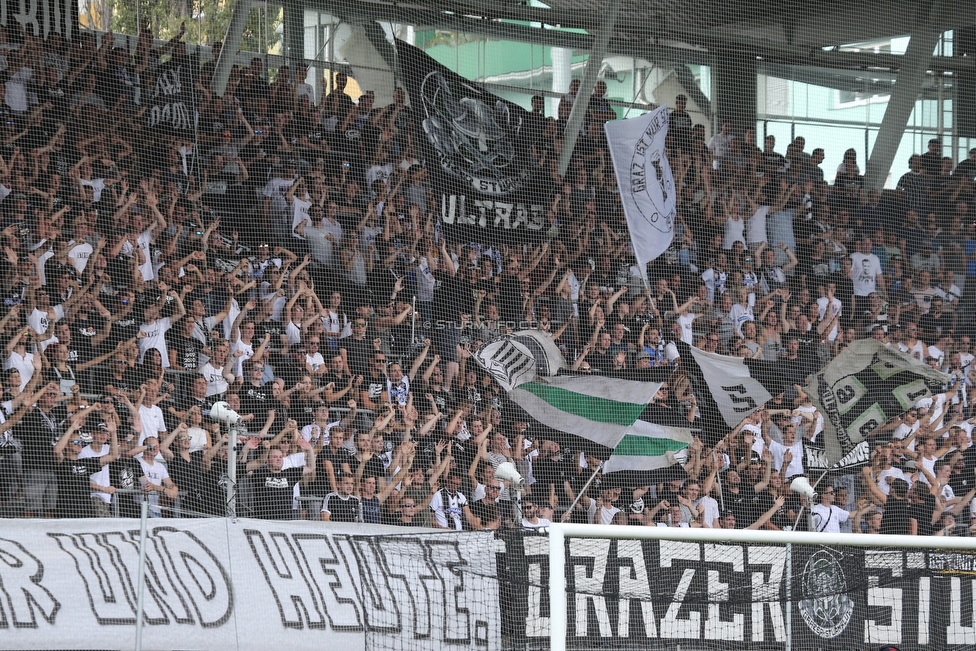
pixel 75 441
pixel 183 438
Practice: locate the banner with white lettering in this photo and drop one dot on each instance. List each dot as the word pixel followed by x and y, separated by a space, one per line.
pixel 171 106
pixel 646 185
pixel 245 585
pixel 478 148
pixel 40 18
pixel 665 594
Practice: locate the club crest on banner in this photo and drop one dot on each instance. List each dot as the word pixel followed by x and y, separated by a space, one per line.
pixel 830 610
pixel 509 362
pixel 474 141
pixel 651 183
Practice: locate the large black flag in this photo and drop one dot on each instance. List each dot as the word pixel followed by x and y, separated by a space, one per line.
pixel 477 148
pixel 171 105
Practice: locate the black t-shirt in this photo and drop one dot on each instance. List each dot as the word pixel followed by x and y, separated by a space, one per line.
pixel 257 401
pixel 74 490
pixel 358 352
pixel 273 492
pixel 453 297
pixel 341 509
pixel 269 327
pixel 743 504
pixel 509 299
pixel 123 329
pixel 374 387
pixel 895 519
pixel 371 510
pixel 124 473
pixel 552 471
pixel 930 327
pixel 337 458
pixel 103 377
pixel 187 349
pixel 191 479
pixel 39 433
pixel 374 467
pixel 923 515
pixel 83 332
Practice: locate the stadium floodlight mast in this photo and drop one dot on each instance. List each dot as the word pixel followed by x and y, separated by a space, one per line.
pixel 222 413
pixel 506 472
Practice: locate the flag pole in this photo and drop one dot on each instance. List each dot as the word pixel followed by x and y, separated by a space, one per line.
pixel 718 480
pixel 586 487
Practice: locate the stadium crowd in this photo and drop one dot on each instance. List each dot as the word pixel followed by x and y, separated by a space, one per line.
pixel 287 257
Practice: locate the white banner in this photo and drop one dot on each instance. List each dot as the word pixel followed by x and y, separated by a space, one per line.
pixel 646 185
pixel 247 585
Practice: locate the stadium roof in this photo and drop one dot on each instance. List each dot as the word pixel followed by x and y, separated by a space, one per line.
pixel 808 33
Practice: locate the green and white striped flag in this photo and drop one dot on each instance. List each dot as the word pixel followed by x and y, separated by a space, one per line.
pixel 591 413
pixel 649 446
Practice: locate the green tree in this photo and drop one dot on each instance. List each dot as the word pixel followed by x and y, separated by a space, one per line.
pixel 206 21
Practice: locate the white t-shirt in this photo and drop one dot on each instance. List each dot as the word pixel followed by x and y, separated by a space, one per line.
pixel 903 431
pixel 685 321
pixel 152 423
pixel 719 146
pixel 445 506
pixel 827 520
pixel 864 272
pixel 275 190
pixel 778 450
pixel 39 322
pixel 155 474
pixel 97 185
pixel 144 242
pixel 312 433
pixel 835 307
pixel 24 364
pixel 897 473
pixel 756 226
pixel 247 352
pixel 936 406
pixel 605 516
pixel 101 477
pixel 216 384
pixel 299 209
pixel 155 338
pixel 714 282
pixel 78 256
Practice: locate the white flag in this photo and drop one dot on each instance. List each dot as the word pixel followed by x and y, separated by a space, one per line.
pixel 646 186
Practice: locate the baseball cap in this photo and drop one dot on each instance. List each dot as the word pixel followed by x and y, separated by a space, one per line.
pixel 643 355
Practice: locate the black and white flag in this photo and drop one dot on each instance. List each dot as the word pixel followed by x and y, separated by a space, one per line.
pixel 171 105
pixel 646 185
pixel 863 387
pixel 520 357
pixel 478 149
pixel 727 388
